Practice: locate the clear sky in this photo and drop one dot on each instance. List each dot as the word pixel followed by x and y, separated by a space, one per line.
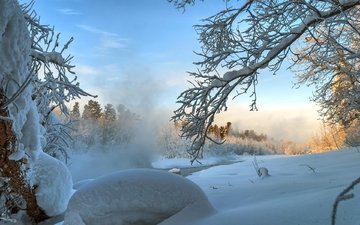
pixel 137 52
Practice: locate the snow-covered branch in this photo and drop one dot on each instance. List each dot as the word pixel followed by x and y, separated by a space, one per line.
pixel 244 40
pixel 328 60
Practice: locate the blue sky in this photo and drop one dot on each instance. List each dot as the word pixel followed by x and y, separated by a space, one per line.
pixel 137 52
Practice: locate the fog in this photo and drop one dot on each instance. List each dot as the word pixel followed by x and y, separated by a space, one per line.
pixel 153 99
pixel 296 124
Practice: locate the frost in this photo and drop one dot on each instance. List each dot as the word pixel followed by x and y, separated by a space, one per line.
pixel 231 75
pixel 17 155
pixel 217 83
pixel 31 138
pixel 54 57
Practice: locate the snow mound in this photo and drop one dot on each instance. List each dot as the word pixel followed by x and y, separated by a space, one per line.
pixel 136 196
pixel 53 184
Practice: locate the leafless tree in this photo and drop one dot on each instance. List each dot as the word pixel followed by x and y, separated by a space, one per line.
pixel 243 40
pixel 330 66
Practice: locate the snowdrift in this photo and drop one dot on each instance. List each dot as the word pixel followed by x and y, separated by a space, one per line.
pixel 137 196
pixel 53 184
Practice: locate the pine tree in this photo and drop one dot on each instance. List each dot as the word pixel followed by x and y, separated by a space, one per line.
pixel 109 125
pixel 109 113
pixel 75 112
pixel 92 111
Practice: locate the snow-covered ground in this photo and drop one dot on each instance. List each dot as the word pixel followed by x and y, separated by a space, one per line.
pixel 299 191
pixel 294 194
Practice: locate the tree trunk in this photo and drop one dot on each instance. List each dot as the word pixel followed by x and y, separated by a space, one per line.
pixel 13 170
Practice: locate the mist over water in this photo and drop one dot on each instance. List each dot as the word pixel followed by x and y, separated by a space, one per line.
pixel 140 93
pixel 147 96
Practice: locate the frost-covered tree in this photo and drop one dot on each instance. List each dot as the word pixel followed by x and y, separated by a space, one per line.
pixel 126 124
pixel 92 110
pixel 90 124
pixel 245 38
pixel 334 74
pixel 109 125
pixel 75 112
pixel 109 113
pixel 33 82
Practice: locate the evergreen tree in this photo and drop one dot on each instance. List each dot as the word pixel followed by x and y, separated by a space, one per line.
pixel 228 128
pixel 109 126
pixel 75 112
pixel 92 110
pixel 125 124
pixel 90 125
pixel 109 113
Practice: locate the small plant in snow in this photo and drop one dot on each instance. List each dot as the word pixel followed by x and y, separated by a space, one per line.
pixel 260 171
pixel 313 169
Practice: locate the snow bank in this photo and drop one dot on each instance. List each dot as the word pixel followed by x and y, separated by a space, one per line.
pixel 136 196
pixel 53 184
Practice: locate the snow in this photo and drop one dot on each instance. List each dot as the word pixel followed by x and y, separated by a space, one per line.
pixel 300 190
pixel 135 196
pixel 164 163
pixel 18 155
pixel 53 184
pixel 15 50
pixel 293 194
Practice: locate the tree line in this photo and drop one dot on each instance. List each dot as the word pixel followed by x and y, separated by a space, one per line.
pixel 223 132
pixel 111 125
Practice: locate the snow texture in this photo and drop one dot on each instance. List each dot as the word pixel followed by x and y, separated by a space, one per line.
pixel 53 184
pixel 15 50
pixel 136 196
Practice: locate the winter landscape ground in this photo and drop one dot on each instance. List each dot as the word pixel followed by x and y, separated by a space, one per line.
pixel 300 190
pixel 122 167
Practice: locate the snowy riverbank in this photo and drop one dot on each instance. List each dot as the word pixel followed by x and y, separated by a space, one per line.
pixel 300 190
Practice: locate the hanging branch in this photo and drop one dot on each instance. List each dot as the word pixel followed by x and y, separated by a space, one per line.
pixel 243 41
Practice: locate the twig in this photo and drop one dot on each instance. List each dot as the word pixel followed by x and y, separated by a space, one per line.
pixel 344 195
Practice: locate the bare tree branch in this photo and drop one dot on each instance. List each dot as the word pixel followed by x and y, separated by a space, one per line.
pixel 243 40
pixel 344 195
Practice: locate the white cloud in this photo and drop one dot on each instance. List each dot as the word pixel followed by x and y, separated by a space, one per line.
pixel 112 42
pixel 94 30
pixel 107 40
pixel 82 69
pixel 67 11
